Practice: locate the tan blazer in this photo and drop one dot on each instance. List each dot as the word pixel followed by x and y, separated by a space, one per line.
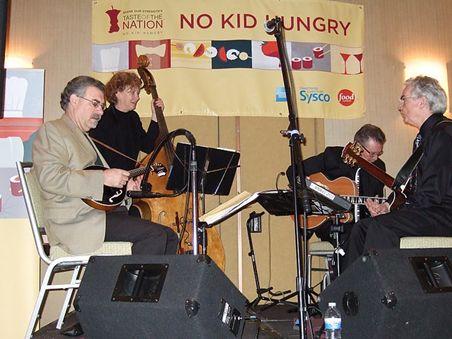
pixel 60 153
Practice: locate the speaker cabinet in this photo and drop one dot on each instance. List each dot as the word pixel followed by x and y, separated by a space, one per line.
pixel 179 296
pixel 395 294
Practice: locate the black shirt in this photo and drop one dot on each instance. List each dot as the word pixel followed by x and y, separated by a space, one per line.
pixel 124 132
pixel 434 178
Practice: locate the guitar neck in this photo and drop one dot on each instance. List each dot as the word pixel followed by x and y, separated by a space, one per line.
pixel 138 171
pixel 370 168
pixel 359 200
pixel 376 172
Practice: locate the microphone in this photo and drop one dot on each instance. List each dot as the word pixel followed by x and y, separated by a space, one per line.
pixel 270 26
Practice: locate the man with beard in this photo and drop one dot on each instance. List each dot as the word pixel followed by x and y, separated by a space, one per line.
pixel 62 151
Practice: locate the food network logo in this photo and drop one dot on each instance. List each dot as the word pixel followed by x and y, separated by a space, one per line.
pixel 346 97
pixel 313 94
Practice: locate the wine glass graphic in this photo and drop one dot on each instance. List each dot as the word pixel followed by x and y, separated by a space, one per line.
pixel 345 56
pixel 359 57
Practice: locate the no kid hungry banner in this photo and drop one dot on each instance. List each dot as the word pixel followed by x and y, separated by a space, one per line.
pixel 215 58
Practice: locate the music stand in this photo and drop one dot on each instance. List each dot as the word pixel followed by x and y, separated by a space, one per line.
pixel 216 166
pixel 279 203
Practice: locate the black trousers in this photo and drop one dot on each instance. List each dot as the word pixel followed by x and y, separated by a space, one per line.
pixel 385 231
pixel 147 237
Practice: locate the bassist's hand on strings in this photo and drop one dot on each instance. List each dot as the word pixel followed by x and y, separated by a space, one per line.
pixel 115 177
pixel 157 103
pixel 375 208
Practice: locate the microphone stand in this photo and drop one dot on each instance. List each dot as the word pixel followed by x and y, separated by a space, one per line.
pixel 300 191
pixel 194 182
pixel 193 169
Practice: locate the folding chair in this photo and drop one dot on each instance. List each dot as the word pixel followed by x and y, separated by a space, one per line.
pixel 325 250
pixel 55 257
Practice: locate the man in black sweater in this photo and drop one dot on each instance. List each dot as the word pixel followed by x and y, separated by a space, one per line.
pixel 428 211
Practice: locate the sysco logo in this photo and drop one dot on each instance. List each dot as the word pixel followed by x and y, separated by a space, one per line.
pixel 314 96
pixel 346 97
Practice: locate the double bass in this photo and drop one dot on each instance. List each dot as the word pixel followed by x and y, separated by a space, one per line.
pixel 172 211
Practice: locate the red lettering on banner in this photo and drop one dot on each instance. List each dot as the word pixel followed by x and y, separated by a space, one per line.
pixel 226 20
pixel 202 21
pixel 238 21
pixel 318 24
pixel 306 24
pixel 190 22
pixel 208 21
pixel 142 24
pixel 250 21
pixel 332 25
pixel 345 27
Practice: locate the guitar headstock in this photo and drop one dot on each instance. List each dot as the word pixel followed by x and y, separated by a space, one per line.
pixel 351 152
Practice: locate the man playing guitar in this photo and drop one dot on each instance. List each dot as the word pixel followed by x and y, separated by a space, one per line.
pixel 428 211
pixel 330 163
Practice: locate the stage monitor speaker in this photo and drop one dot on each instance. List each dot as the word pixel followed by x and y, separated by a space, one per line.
pixel 395 294
pixel 176 296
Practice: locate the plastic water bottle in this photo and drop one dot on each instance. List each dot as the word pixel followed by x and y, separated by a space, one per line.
pixel 333 322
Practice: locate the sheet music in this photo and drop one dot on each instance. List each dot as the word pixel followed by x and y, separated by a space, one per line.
pixel 229 208
pixel 276 202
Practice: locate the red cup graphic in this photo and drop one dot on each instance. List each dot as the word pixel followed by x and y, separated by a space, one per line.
pixel 296 63
pixel 318 52
pixel 307 62
pixel 14 183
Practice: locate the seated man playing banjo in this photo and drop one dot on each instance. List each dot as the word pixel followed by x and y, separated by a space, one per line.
pixel 61 153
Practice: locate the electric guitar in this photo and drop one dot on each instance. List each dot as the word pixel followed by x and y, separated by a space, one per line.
pixel 351 156
pixel 113 196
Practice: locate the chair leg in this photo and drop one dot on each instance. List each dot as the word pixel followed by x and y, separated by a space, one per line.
pixel 309 277
pixel 68 298
pixel 328 277
pixel 38 305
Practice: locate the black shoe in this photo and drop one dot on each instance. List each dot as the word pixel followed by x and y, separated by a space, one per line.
pixel 73 331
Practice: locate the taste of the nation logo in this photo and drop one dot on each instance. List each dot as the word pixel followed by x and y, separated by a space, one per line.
pixel 113 15
pixel 136 20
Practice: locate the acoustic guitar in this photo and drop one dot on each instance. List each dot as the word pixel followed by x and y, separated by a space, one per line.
pixel 346 188
pixel 113 196
pixel 351 156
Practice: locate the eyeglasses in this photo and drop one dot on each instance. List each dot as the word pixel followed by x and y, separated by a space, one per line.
pixel 96 103
pixel 373 154
pixel 403 98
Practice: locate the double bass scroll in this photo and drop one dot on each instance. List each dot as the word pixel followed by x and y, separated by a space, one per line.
pixel 176 211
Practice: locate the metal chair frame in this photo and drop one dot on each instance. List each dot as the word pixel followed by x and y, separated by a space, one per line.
pixel 30 188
